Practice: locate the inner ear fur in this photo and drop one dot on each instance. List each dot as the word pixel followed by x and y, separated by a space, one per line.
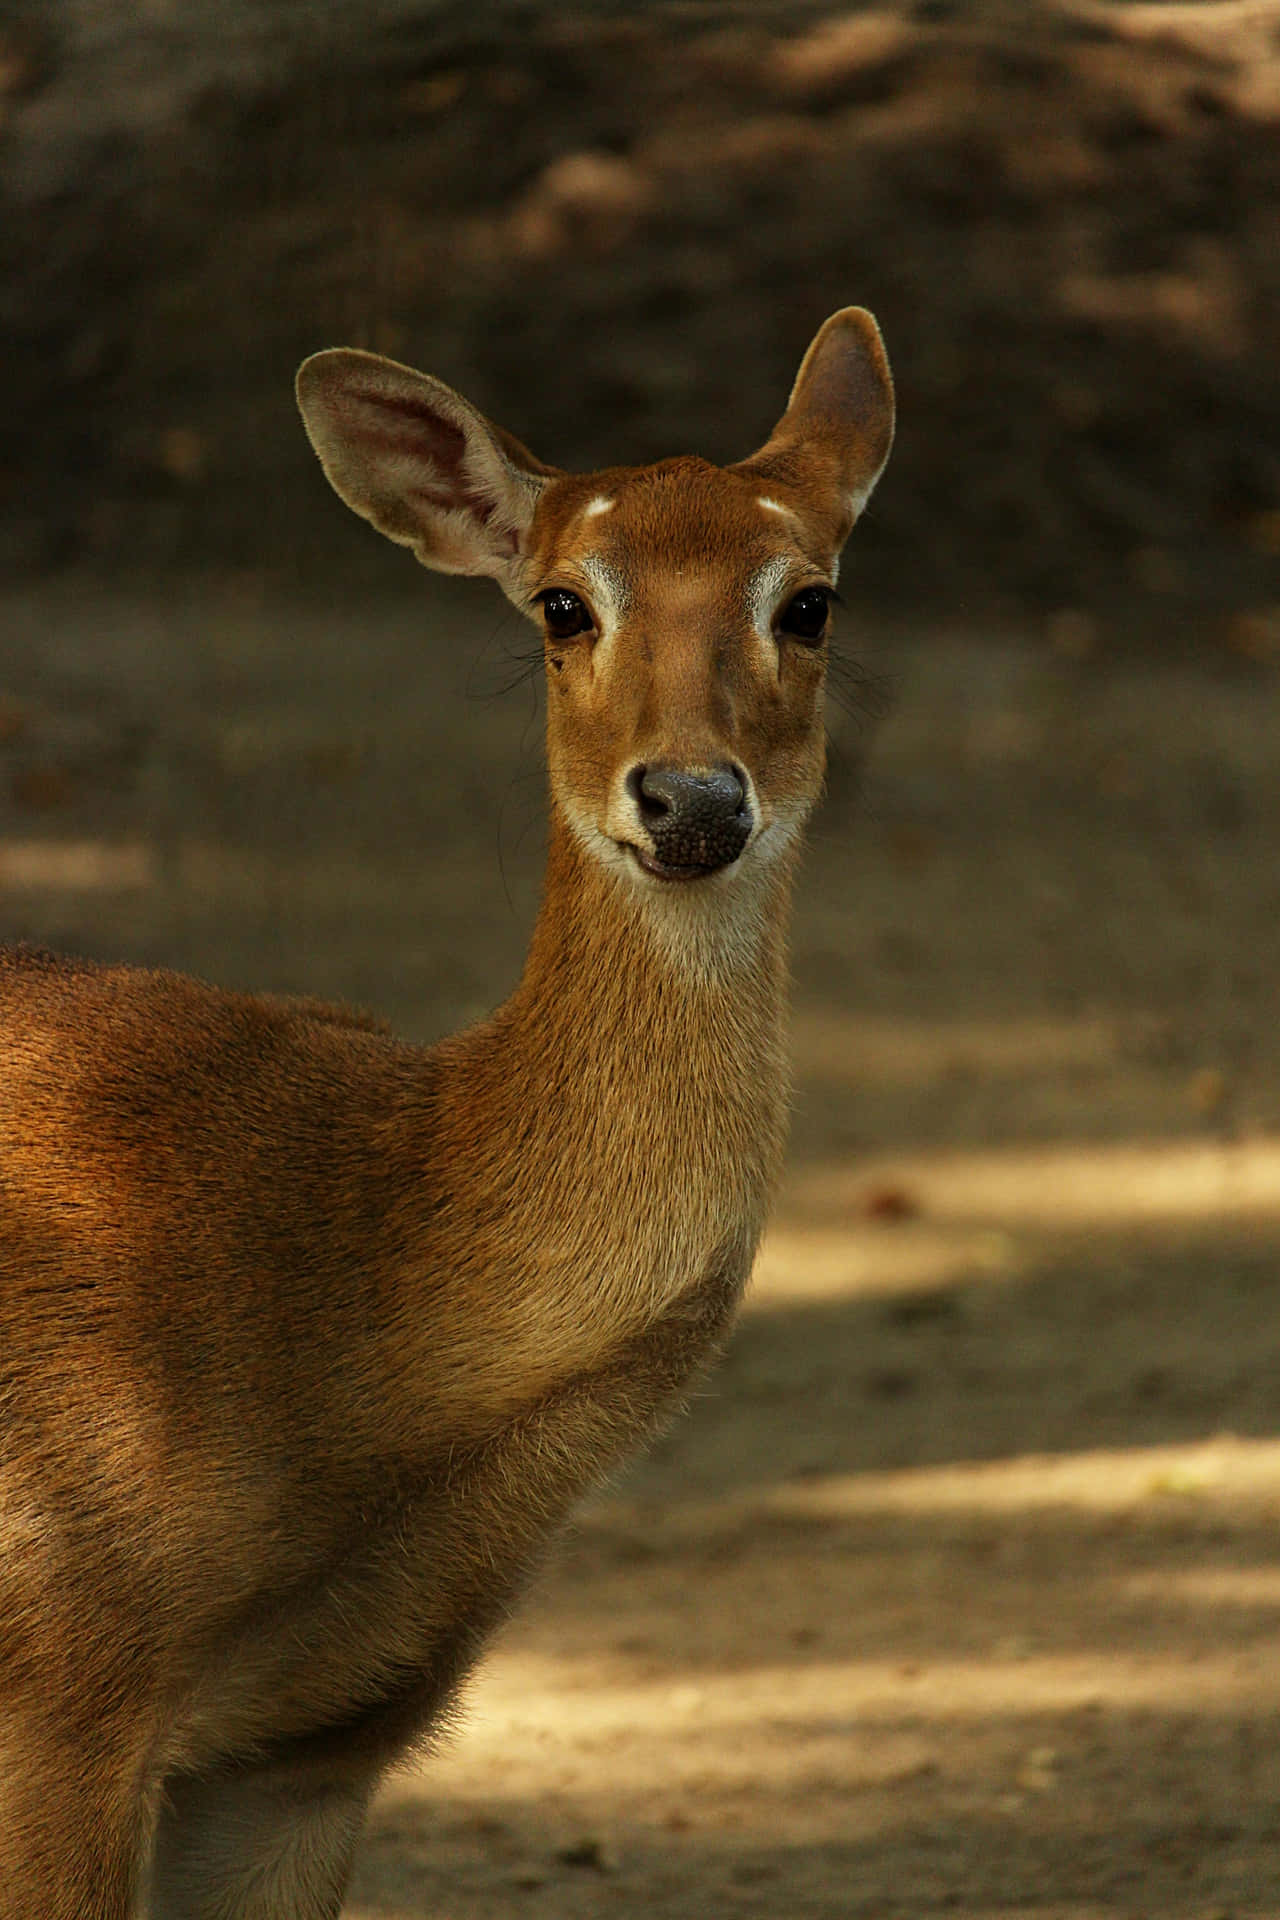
pixel 831 444
pixel 413 457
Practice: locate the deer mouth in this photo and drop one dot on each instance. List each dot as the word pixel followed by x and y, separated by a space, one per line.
pixel 666 870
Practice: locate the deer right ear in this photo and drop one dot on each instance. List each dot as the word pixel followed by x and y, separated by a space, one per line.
pixel 417 460
pixel 832 442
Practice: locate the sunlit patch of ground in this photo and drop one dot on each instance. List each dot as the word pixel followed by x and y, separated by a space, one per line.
pixel 75 866
pixel 1034 1685
pixel 1056 1186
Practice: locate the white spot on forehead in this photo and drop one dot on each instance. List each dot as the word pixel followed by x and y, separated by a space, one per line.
pixel 601 504
pixel 773 506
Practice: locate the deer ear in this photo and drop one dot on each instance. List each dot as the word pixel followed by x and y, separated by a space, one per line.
pixel 831 444
pixel 416 459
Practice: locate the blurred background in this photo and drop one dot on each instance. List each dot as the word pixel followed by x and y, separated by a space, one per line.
pixel 959 1588
pixel 617 227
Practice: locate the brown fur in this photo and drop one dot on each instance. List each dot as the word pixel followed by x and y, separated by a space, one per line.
pixel 309 1339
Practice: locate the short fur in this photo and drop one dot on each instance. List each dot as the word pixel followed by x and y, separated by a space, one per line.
pixel 309 1339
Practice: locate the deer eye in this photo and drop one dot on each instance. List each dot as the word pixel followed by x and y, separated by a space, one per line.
pixel 805 615
pixel 565 614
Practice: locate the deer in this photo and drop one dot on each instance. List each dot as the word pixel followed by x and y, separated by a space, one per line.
pixel 310 1339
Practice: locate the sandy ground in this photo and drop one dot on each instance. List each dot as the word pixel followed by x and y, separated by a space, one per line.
pixel 958 1589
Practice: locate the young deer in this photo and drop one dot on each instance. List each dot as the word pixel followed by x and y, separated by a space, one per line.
pixel 309 1339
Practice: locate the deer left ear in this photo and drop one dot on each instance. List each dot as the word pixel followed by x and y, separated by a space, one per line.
pixel 417 460
pixel 831 444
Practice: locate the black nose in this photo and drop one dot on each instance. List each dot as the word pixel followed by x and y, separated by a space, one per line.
pixel 698 822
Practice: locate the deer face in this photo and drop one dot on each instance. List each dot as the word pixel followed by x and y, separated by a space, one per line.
pixel 685 607
pixel 685 626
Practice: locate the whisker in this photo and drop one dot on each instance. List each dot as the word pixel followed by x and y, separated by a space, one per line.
pixel 491 679
pixel 863 694
pixel 864 698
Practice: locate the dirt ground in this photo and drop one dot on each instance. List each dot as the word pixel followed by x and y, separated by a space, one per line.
pixel 958 1589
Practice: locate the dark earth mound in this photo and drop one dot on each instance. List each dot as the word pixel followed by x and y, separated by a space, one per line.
pixel 616 228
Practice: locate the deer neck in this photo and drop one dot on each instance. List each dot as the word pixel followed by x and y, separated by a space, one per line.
pixel 633 1093
pixel 723 939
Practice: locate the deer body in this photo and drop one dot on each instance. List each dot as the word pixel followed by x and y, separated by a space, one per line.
pixel 309 1339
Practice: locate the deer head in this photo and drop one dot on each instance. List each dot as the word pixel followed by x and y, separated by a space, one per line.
pixel 685 607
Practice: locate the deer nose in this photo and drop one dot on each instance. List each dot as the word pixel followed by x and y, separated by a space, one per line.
pixel 697 821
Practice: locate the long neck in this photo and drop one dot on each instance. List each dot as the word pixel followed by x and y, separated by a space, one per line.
pixel 681 991
pixel 619 1122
